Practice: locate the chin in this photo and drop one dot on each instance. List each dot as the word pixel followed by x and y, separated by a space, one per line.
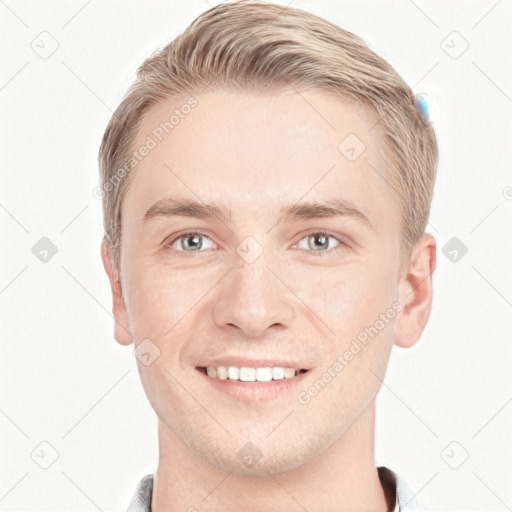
pixel 263 468
pixel 259 459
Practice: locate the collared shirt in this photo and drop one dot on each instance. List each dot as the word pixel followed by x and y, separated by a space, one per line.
pixel 141 500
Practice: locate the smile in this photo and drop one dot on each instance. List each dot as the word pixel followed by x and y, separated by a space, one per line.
pixel 252 384
pixel 247 374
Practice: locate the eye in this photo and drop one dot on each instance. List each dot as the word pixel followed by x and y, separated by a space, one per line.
pixel 189 242
pixel 318 242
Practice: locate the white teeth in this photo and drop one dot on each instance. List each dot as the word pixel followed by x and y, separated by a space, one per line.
pixel 246 374
pixel 222 372
pixel 278 373
pixel 264 374
pixel 289 373
pixel 233 373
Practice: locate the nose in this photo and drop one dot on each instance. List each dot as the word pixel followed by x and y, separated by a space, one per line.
pixel 253 299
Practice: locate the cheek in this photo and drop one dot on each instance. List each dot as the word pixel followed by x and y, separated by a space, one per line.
pixel 355 302
pixel 161 300
pixel 347 296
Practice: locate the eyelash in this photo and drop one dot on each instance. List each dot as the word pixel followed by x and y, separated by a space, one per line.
pixel 320 253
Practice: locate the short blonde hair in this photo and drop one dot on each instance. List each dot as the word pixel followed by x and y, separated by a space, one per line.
pixel 264 47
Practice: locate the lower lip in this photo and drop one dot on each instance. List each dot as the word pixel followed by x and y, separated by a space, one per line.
pixel 254 391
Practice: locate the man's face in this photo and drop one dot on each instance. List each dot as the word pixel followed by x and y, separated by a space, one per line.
pixel 257 286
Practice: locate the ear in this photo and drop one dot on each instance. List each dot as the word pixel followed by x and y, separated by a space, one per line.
pixel 121 331
pixel 415 292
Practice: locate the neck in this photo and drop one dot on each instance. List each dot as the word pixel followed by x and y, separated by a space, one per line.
pixel 344 477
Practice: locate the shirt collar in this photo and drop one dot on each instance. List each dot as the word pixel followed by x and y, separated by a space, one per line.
pixel 141 499
pixel 403 494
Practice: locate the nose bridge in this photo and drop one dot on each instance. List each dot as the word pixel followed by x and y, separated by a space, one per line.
pixel 252 297
pixel 252 281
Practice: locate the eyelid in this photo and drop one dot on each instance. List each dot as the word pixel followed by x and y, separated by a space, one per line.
pixel 177 236
pixel 342 241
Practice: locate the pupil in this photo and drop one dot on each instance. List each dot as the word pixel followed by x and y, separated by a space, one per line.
pixel 325 243
pixel 196 244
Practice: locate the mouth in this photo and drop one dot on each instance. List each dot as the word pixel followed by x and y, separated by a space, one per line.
pixel 248 375
pixel 252 384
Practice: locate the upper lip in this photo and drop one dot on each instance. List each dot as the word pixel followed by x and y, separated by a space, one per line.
pixel 240 362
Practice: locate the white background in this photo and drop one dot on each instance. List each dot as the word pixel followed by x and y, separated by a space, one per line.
pixel 63 378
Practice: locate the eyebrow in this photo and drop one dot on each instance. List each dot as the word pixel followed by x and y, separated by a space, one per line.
pixel 335 207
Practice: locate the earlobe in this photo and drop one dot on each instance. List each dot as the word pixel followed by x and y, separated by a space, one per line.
pixel 415 292
pixel 121 331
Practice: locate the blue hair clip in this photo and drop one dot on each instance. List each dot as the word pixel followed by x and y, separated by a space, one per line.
pixel 424 108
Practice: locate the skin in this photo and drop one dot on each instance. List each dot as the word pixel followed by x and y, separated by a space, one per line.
pixel 254 154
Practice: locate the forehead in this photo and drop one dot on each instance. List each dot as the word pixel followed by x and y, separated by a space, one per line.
pixel 255 153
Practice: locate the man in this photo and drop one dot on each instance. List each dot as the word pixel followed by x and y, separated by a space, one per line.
pixel 267 182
